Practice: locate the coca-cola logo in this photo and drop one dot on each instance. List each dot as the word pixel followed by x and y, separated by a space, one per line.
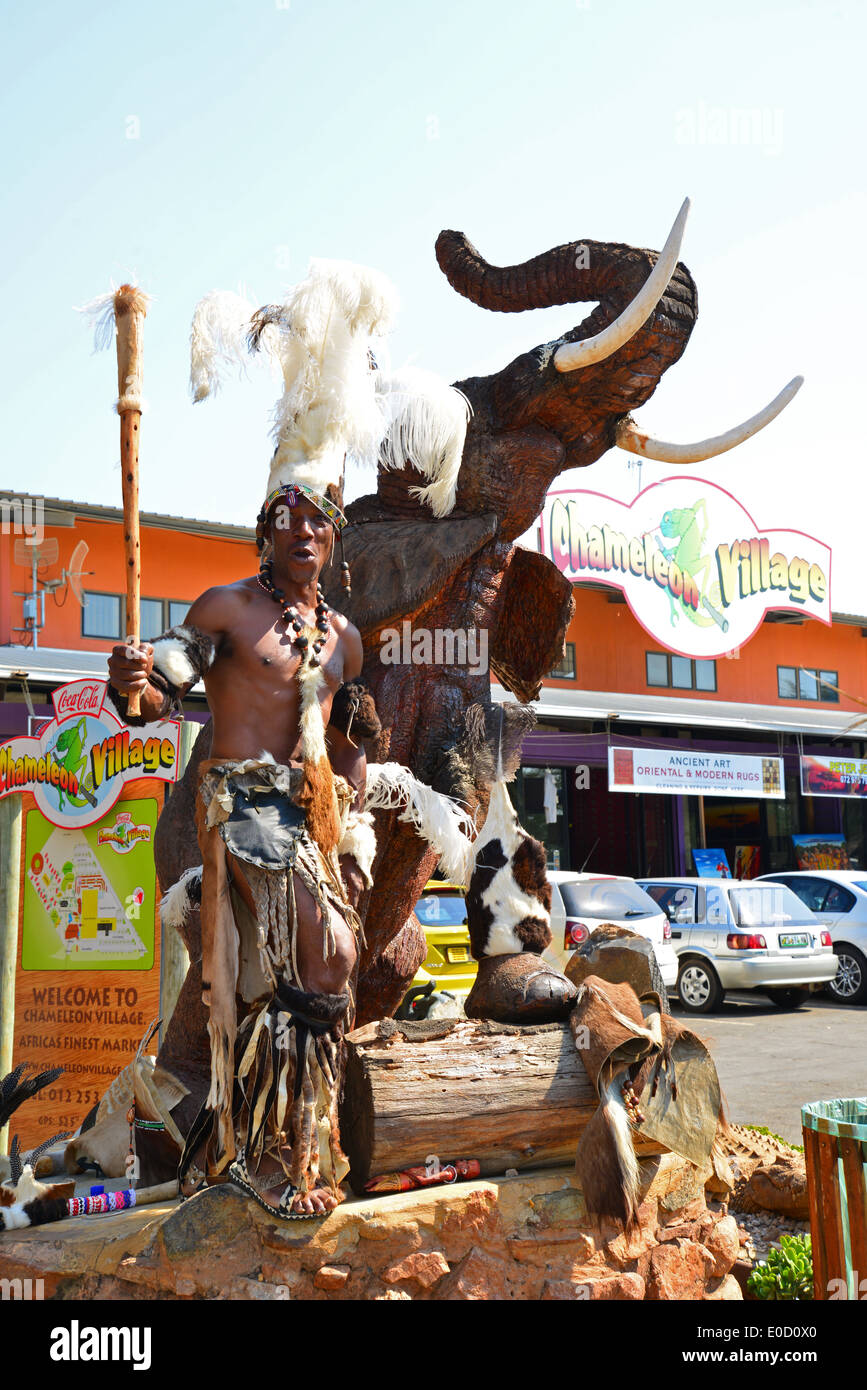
pixel 79 699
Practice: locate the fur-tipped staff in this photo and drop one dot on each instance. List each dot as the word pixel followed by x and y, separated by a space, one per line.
pixel 124 311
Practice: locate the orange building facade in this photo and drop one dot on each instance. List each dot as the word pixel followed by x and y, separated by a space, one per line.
pixel 788 692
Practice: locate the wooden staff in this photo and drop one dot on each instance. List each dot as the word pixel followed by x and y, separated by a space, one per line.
pixel 130 308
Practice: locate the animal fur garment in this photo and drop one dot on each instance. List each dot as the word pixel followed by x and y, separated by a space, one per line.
pixel 359 841
pixel 31 1203
pixel 489 749
pixel 509 896
pixel 353 711
pixel 629 1048
pixel 180 900
pixel 182 655
pixel 427 430
pixel 318 794
pixel 436 818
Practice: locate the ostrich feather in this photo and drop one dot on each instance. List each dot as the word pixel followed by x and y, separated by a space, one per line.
pixel 329 404
pixel 19 1086
pixel 437 818
pixel 427 429
pixel 218 340
pixel 181 898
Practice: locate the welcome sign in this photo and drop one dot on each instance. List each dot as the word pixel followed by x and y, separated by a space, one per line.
pixel 696 570
pixel 78 765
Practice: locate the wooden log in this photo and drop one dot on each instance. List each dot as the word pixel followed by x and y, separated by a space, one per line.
pixel 509 1097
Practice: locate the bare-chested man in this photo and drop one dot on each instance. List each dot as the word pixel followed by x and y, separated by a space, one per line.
pixel 255 703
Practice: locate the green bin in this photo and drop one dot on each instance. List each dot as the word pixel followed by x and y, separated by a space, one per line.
pixel 835 1149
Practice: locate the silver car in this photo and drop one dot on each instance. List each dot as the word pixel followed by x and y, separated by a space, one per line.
pixel 582 902
pixel 838 898
pixel 734 935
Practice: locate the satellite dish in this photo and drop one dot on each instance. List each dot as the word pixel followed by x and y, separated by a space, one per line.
pixel 44 554
pixel 76 572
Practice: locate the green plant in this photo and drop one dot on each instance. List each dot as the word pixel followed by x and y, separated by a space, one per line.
pixel 763 1129
pixel 787 1273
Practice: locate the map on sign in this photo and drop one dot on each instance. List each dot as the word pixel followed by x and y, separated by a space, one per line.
pixel 90 894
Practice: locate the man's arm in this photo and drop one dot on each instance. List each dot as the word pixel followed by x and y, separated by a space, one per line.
pixel 163 672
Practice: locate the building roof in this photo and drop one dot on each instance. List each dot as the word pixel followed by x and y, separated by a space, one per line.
pixel 57 511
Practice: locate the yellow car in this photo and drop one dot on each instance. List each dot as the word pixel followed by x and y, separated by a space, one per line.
pixel 448 968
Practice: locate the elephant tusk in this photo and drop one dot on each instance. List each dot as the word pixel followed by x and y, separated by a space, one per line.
pixel 570 356
pixel 628 436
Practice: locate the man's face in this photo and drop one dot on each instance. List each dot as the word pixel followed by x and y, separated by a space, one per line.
pixel 302 538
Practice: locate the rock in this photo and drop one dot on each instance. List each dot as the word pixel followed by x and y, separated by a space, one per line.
pixel 727 1291
pixel 781 1186
pixel 621 957
pixel 331 1277
pixel 426 1267
pixel 679 1270
pixel 723 1243
pixel 479 1276
pixel 520 989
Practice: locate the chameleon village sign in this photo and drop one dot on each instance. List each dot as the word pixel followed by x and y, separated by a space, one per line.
pixel 696 570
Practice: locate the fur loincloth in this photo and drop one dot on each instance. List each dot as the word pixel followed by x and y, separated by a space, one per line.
pixel 270 1068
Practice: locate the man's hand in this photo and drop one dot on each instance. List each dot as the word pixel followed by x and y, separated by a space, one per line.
pixel 129 667
pixel 128 670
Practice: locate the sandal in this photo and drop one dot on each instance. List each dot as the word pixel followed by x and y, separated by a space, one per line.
pixel 238 1175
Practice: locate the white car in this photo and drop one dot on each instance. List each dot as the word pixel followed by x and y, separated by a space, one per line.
pixel 582 902
pixel 838 898
pixel 734 935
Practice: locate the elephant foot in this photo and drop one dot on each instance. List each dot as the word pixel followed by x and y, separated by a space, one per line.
pixel 521 989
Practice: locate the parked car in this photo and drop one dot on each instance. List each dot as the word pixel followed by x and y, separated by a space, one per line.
pixel 582 902
pixel 838 898
pixel 734 935
pixel 445 976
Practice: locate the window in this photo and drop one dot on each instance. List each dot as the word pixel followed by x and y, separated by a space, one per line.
pixel 101 616
pixel 566 670
pixel 806 683
pixel 716 912
pixel 680 672
pixel 677 902
pixel 151 618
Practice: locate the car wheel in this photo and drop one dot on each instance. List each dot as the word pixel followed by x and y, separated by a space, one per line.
pixel 698 987
pixel 788 998
pixel 849 985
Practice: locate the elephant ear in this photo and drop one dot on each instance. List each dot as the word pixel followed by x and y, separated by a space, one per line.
pixel 398 565
pixel 528 638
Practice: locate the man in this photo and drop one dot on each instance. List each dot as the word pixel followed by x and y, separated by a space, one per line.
pixel 273 657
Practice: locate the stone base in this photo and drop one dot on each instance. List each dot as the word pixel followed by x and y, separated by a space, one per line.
pixel 525 1237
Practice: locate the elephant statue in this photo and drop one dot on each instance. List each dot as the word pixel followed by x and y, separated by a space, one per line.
pixel 558 406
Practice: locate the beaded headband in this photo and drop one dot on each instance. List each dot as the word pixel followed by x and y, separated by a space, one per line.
pixel 291 492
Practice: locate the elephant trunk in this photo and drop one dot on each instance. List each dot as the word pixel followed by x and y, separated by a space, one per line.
pixel 577 271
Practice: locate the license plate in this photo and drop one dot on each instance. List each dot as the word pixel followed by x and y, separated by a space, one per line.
pixel 795 939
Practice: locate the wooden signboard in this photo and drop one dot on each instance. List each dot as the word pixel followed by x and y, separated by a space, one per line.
pixel 88 968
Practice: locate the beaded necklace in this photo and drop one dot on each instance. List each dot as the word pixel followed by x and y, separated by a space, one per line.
pixel 293 618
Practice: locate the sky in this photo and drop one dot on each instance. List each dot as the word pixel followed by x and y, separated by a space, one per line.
pixel 196 146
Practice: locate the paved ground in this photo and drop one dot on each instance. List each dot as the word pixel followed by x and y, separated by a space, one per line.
pixel 770 1063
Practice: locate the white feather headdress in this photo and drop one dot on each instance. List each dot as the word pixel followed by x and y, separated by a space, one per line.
pixel 324 337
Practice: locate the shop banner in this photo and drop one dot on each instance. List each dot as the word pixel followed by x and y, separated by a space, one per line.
pixel 693 773
pixel 88 980
pixel 696 570
pixel 77 766
pixel 833 777
pixel 823 850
